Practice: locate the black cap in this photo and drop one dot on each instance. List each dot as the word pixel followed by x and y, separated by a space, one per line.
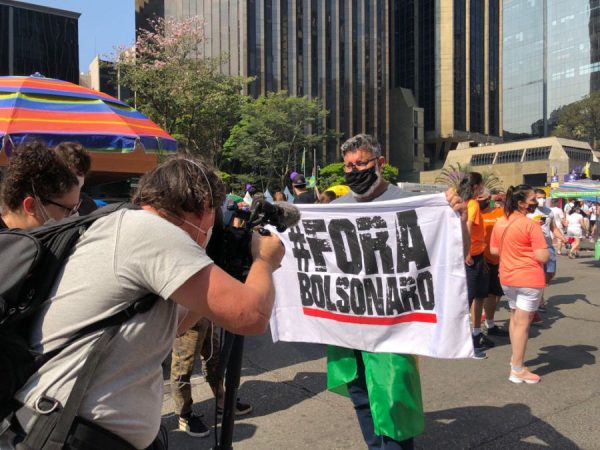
pixel 299 180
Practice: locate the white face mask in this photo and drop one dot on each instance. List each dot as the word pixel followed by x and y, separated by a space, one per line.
pixel 541 202
pixel 80 180
pixel 208 233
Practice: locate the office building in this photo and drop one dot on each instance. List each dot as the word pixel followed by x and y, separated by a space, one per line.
pixel 448 52
pixel 551 59
pixel 38 39
pixel 531 161
pixel 419 75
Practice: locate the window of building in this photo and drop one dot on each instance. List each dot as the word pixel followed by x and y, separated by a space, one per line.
pixel 510 156
pixel 579 154
pixel 537 153
pixel 483 159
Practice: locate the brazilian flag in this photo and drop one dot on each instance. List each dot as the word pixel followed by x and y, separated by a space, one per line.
pixel 394 387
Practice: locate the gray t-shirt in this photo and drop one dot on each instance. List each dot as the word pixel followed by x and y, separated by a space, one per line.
pixel 392 192
pixel 118 260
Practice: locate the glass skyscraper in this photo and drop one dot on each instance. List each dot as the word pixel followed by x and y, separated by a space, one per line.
pixel 551 59
pixel 377 65
pixel 448 53
pixel 38 39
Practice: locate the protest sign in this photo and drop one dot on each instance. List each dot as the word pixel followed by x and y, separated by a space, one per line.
pixel 380 276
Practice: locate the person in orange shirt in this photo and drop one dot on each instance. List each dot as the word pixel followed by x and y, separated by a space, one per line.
pixel 490 216
pixel 523 250
pixel 471 186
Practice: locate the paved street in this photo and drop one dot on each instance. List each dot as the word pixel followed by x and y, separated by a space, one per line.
pixel 468 403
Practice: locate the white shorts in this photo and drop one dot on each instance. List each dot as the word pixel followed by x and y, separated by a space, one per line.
pixel 526 299
pixel 574 232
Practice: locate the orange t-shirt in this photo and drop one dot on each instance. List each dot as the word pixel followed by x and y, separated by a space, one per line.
pixel 489 220
pixel 518 266
pixel 477 240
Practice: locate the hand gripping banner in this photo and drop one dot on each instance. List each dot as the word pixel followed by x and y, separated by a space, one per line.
pixel 380 276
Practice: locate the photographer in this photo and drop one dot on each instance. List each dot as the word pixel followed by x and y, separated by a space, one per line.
pixel 131 253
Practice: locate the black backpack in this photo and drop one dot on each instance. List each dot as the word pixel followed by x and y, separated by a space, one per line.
pixel 30 261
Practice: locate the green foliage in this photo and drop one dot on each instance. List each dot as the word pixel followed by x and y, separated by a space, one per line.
pixel 580 120
pixel 182 92
pixel 272 134
pixel 453 174
pixel 331 175
pixel 389 173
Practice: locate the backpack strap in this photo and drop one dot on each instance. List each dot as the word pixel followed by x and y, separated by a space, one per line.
pixel 50 431
pixel 139 306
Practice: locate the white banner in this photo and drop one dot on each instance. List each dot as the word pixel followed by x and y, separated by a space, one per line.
pixel 381 277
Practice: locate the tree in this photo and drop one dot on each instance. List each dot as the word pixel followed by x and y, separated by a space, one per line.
pixel 333 174
pixel 453 174
pixel 273 132
pixel 580 120
pixel 179 89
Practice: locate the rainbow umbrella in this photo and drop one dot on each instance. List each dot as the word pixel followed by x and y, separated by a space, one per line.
pixel 38 108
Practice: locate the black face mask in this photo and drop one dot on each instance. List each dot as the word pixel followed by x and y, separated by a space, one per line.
pixel 483 204
pixel 531 207
pixel 361 180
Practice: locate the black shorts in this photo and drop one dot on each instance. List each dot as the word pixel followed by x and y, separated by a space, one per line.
pixel 477 278
pixel 494 287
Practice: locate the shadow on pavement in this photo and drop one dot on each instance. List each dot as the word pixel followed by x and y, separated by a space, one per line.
pixel 265 396
pixel 180 440
pixel 560 280
pixel 553 312
pixel 266 356
pixel 487 427
pixel 562 357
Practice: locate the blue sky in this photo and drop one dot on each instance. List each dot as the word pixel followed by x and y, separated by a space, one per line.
pixel 103 24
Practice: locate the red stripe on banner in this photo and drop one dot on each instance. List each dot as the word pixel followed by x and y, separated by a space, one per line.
pixel 411 317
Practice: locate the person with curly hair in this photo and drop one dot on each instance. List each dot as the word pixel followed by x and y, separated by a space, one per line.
pixel 79 161
pixel 38 186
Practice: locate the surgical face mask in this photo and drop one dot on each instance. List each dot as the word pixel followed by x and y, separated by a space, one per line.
pixel 208 233
pixel 541 202
pixel 80 180
pixel 360 181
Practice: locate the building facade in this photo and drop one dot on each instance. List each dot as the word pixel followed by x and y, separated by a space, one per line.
pixel 531 161
pixel 551 59
pixel 38 39
pixel 419 75
pixel 449 53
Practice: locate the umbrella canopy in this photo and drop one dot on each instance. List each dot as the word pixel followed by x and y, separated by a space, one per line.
pixel 586 189
pixel 55 111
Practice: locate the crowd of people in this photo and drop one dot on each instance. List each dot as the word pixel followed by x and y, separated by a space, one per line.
pixel 509 252
pixel 512 238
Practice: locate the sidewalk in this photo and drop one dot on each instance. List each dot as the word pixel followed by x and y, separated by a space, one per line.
pixel 468 403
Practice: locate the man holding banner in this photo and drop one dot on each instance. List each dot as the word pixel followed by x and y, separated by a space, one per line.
pixel 370 280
